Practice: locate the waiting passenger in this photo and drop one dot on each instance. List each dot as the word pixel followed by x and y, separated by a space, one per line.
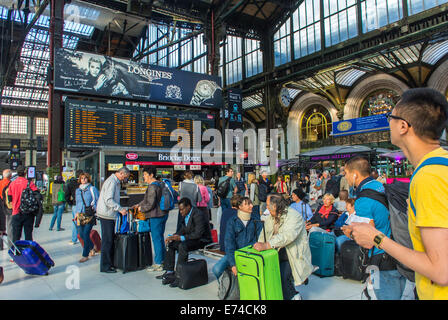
pixel 242 230
pixel 194 234
pixel 226 215
pixel 86 195
pixel 344 220
pixel 286 232
pixel 325 216
pixel 299 204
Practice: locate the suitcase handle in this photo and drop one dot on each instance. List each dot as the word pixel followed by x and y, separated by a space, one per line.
pixel 6 239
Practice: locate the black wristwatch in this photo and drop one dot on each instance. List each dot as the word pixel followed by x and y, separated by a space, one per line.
pixel 378 240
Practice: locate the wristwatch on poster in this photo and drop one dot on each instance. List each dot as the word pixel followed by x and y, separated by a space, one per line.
pixel 204 90
pixel 378 240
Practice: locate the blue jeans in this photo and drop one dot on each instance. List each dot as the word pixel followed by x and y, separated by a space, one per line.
pixel 58 211
pixel 340 240
pixel 74 226
pixel 157 226
pixel 84 233
pixel 391 285
pixel 220 266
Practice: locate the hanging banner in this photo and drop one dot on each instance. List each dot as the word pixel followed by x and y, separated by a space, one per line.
pixel 234 111
pixel 97 75
pixel 361 125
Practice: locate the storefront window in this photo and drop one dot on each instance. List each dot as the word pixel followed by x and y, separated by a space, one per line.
pixel 316 124
pixel 379 102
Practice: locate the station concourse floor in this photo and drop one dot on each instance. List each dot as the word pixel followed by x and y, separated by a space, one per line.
pixel 94 285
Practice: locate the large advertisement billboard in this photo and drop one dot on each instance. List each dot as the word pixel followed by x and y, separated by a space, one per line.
pixel 97 75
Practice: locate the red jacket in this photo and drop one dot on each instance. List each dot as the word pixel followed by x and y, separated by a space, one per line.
pixel 15 190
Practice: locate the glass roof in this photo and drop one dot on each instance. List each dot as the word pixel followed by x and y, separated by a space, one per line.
pixel 30 87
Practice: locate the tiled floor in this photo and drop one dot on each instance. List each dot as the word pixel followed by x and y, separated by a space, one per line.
pixel 60 283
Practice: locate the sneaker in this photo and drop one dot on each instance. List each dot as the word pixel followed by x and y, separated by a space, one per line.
pixel 297 297
pixel 155 267
pixel 61 229
pixel 72 243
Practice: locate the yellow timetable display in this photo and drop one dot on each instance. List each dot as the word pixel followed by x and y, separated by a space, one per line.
pixel 94 125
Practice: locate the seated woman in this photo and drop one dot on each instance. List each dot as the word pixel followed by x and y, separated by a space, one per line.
pixel 242 230
pixel 344 220
pixel 285 231
pixel 300 205
pixel 226 215
pixel 325 215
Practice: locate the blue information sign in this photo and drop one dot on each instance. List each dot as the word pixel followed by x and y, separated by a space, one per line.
pixel 361 125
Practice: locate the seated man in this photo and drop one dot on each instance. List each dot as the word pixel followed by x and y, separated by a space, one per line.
pixel 194 233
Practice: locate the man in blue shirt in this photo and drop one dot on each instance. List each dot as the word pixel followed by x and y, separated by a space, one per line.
pixel 391 283
pixel 194 234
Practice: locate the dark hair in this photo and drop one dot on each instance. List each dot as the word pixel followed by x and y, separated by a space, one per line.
pixel 350 201
pixel 185 201
pixel 188 174
pixel 226 170
pixel 426 110
pixel 151 171
pixel 360 164
pixel 299 193
pixel 21 171
pixel 242 200
pixel 234 201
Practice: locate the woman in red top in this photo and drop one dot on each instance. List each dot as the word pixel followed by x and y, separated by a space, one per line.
pixel 325 215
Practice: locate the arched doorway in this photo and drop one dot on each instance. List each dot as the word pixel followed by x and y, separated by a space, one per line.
pixel 316 124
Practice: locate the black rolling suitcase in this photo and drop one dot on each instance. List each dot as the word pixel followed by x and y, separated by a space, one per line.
pixel 144 250
pixel 351 260
pixel 126 248
pixel 192 274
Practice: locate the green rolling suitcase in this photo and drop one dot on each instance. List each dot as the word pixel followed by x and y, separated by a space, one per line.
pixel 258 274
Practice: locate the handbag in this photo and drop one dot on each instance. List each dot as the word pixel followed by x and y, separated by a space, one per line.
pixel 88 214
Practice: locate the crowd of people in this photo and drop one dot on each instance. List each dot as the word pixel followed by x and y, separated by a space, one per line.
pixel 278 214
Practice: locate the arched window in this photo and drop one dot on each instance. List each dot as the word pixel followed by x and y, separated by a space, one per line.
pixel 379 102
pixel 316 124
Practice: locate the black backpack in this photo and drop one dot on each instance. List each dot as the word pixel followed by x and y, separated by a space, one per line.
pixel 394 200
pixel 28 201
pixel 228 288
pixel 223 188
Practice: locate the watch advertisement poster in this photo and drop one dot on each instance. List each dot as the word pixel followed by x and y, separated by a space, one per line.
pixel 234 110
pixel 98 75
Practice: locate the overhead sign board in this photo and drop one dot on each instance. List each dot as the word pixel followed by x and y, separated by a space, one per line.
pixel 98 75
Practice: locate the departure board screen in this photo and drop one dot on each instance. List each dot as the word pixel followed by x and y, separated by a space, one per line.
pixel 94 125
